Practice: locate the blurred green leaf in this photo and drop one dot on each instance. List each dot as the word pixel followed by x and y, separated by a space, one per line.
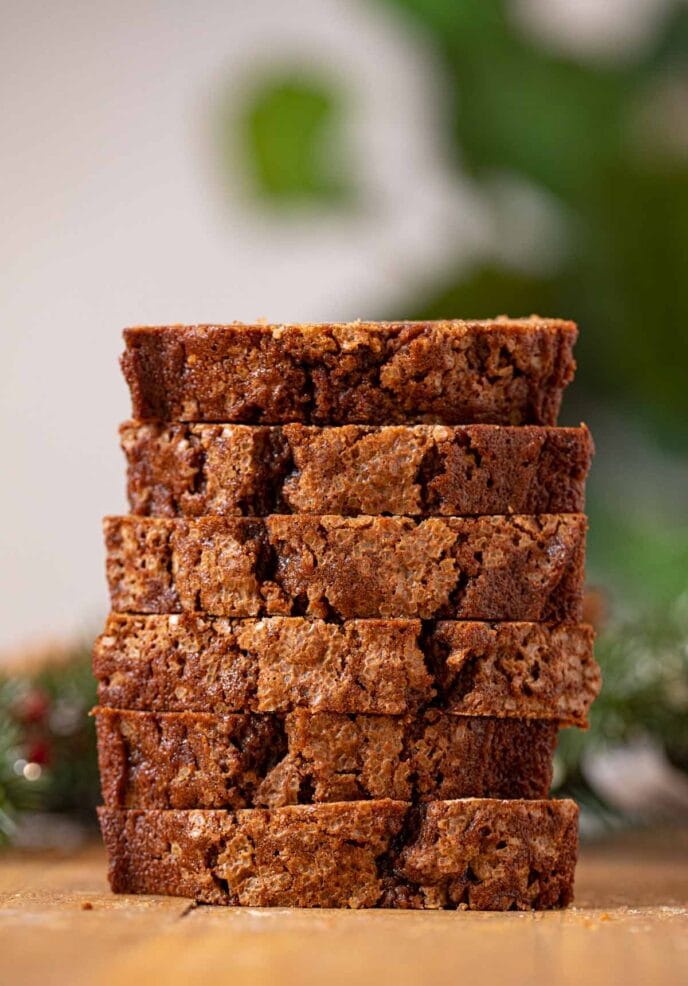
pixel 671 48
pixel 632 288
pixel 486 291
pixel 291 141
pixel 449 19
pixel 645 560
pixel 515 105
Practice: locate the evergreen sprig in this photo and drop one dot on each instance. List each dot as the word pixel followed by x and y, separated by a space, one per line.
pixel 644 661
pixel 47 742
pixel 17 794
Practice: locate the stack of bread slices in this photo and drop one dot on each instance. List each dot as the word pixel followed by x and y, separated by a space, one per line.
pixel 346 609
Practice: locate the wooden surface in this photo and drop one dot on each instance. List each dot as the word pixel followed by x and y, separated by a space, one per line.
pixel 59 924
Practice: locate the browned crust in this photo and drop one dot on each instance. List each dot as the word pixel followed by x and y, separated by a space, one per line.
pixel 501 371
pixel 492 568
pixel 247 760
pixel 195 663
pixel 243 470
pixel 477 854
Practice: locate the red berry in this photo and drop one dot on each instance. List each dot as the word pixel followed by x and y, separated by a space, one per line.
pixel 33 707
pixel 38 752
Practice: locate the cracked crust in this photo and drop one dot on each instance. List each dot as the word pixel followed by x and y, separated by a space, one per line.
pixel 476 854
pixel 503 371
pixel 492 568
pixel 242 470
pixel 195 663
pixel 192 760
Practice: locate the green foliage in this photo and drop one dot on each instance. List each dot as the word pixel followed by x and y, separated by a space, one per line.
pixel 16 793
pixel 290 133
pixel 45 723
pixel 72 783
pixel 637 553
pixel 634 292
pixel 486 291
pixel 518 107
pixel 644 663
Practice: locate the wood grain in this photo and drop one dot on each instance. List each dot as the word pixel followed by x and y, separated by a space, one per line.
pixel 629 925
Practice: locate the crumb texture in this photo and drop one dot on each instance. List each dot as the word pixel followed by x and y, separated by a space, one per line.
pixel 473 853
pixel 246 760
pixel 195 663
pixel 239 470
pixel 486 568
pixel 503 371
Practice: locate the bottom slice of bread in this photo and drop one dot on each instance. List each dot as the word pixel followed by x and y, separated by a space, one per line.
pixel 473 853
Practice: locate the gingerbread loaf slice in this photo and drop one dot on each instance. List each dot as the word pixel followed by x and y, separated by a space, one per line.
pixel 246 760
pixel 471 854
pixel 484 568
pixel 504 371
pixel 195 663
pixel 185 470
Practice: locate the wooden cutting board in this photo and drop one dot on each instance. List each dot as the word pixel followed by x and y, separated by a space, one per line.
pixel 59 924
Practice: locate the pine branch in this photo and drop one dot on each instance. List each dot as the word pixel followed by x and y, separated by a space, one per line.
pixel 644 663
pixel 47 742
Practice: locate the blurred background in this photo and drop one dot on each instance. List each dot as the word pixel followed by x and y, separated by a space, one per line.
pixel 336 159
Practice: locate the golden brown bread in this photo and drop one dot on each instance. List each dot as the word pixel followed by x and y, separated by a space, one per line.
pixel 473 853
pixel 502 371
pixel 194 663
pixel 482 568
pixel 250 759
pixel 187 470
